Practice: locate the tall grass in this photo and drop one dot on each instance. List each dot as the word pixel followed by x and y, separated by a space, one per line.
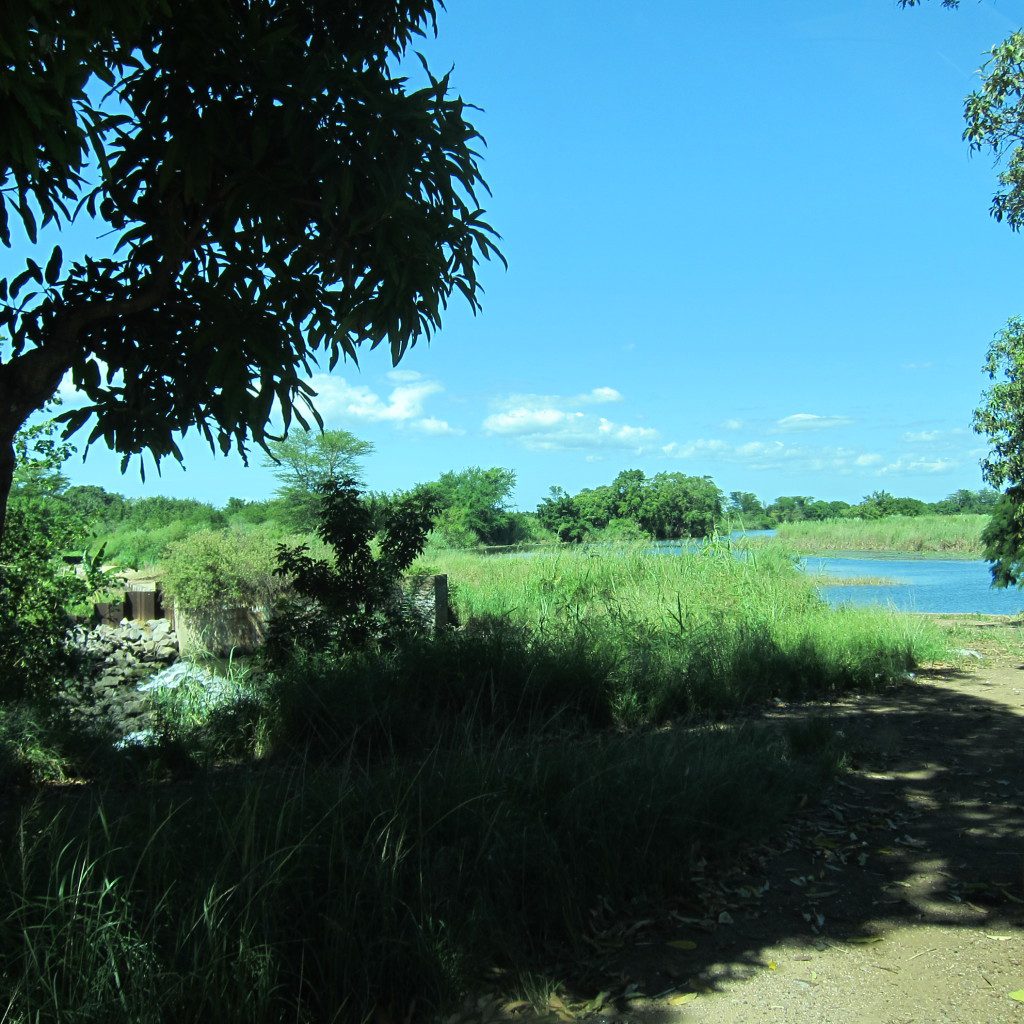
pixel 323 894
pixel 952 535
pixel 696 632
pixel 370 835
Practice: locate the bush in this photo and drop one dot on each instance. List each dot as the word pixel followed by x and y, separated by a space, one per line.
pixel 350 601
pixel 230 567
pixel 37 588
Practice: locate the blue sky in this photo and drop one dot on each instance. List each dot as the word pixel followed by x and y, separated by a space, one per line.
pixel 744 240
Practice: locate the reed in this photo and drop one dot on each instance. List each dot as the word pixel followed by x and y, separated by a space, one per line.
pixel 958 536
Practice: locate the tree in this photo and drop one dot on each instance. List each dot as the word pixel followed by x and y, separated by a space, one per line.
pixel 745 509
pixel 307 460
pixel 308 463
pixel 36 588
pixel 1001 419
pixel 560 514
pixel 790 509
pixel 276 190
pixel 964 501
pixel 473 506
pixel 353 600
pixel 676 505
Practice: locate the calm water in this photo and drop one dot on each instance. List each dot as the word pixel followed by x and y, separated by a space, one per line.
pixel 917 584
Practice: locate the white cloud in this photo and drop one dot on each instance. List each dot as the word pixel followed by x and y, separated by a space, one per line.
pixel 524 420
pixel 918 366
pixel 702 446
pixel 920 436
pixel 551 422
pixel 774 454
pixel 732 425
pixel 596 395
pixel 435 427
pixel 336 398
pixel 810 421
pixel 404 376
pixel 910 464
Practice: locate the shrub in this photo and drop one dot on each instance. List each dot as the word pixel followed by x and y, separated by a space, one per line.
pixel 37 588
pixel 349 601
pixel 223 568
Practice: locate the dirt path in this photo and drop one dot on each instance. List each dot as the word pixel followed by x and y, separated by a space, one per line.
pixel 901 899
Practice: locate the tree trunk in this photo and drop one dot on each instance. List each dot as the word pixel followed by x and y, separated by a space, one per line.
pixel 6 477
pixel 27 383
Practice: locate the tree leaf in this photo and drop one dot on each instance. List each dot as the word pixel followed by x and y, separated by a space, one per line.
pixel 682 944
pixel 53 266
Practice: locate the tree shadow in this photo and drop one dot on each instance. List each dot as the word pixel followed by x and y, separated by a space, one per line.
pixel 926 829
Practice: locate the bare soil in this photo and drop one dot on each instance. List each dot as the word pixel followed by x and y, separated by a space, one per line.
pixel 901 899
pixel 897 900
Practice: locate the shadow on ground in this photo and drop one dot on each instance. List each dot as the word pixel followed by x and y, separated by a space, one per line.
pixel 926 829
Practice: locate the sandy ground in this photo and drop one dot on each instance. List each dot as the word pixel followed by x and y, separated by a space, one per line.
pixel 901 899
pixel 898 900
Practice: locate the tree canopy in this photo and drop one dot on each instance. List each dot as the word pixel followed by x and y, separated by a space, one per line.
pixel 278 192
pixel 308 463
pixel 666 506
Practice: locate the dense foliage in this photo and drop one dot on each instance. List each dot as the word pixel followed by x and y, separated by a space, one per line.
pixel 1000 419
pixel 308 462
pixel 351 599
pixel 344 211
pixel 37 586
pixel 665 506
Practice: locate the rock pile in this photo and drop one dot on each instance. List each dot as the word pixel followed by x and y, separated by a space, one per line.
pixel 115 659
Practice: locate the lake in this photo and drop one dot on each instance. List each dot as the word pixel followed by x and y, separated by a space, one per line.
pixel 948 585
pixel 918 584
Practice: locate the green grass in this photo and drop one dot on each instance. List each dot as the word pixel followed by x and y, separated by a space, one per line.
pixel 321 893
pixel 701 632
pixel 957 536
pixel 358 833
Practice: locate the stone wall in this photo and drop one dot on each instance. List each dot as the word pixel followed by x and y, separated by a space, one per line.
pixel 115 659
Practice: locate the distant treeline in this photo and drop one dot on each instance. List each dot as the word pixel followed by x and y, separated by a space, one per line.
pixel 475 509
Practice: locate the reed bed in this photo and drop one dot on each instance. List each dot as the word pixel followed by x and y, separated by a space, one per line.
pixel 958 536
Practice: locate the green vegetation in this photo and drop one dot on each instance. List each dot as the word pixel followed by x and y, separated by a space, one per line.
pixel 447 797
pixel 37 588
pixel 307 461
pixel 952 535
pixel 230 268
pixel 1001 419
pixel 703 632
pixel 665 506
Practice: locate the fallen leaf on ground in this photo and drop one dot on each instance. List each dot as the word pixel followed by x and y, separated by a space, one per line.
pixel 682 944
pixel 683 997
pixel 772 965
pixel 1018 995
pixel 865 940
pixel 998 938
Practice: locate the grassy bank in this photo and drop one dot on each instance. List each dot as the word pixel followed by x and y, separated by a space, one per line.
pixel 702 632
pixel 378 833
pixel 956 536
